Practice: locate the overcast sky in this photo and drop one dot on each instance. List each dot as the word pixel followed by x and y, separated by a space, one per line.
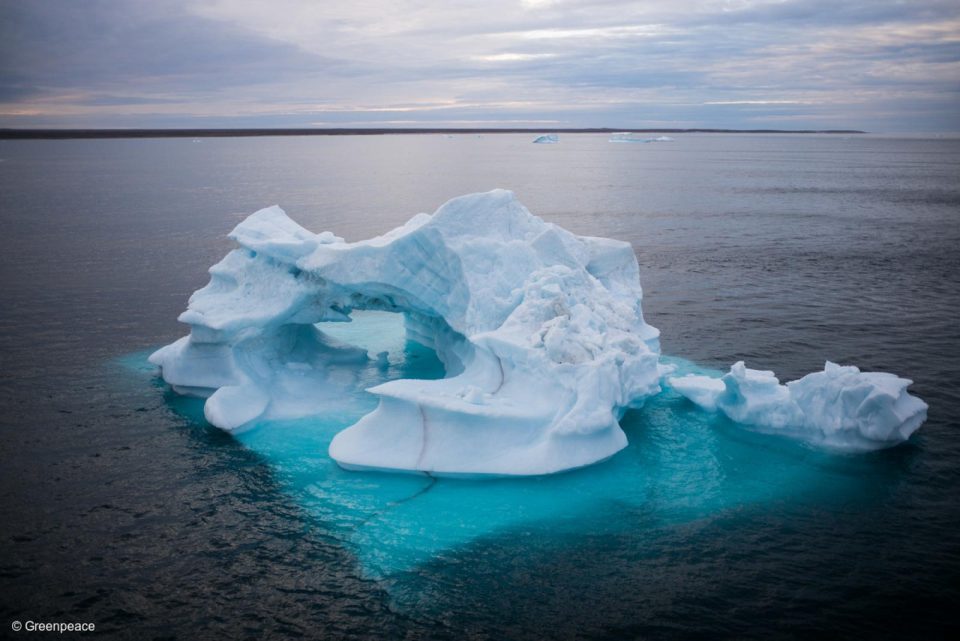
pixel 879 65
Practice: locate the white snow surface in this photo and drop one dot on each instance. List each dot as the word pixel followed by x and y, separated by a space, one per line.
pixel 540 331
pixel 840 407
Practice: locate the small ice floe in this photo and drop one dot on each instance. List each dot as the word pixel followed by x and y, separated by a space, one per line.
pixel 839 407
pixel 625 136
pixel 547 139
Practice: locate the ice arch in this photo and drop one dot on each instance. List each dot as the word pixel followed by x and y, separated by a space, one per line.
pixel 541 333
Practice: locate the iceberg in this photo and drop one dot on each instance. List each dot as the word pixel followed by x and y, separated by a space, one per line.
pixel 624 136
pixel 840 407
pixel 547 139
pixel 537 334
pixel 627 136
pixel 540 332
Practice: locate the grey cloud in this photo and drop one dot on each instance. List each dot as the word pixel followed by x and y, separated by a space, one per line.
pixel 108 44
pixel 833 13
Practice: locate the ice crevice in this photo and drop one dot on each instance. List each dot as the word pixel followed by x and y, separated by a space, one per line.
pixel 540 331
pixel 424 439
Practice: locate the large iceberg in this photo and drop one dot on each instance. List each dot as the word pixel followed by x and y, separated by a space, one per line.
pixel 540 332
pixel 840 407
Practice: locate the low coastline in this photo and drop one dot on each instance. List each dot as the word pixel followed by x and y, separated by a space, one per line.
pixel 54 134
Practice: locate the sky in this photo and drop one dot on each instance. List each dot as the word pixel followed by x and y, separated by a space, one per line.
pixel 876 65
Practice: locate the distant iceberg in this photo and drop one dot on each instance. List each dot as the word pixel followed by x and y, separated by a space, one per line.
pixel 540 331
pixel 547 139
pixel 840 407
pixel 627 136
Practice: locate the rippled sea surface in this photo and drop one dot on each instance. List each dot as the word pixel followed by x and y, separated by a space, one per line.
pixel 120 506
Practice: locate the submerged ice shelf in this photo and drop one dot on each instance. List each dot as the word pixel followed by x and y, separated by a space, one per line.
pixel 540 334
pixel 681 464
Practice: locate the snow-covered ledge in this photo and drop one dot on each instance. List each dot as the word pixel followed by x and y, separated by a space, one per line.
pixel 540 331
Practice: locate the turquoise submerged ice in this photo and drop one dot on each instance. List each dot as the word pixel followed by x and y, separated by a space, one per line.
pixel 540 334
pixel 681 465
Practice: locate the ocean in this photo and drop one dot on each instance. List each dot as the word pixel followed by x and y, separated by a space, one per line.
pixel 120 506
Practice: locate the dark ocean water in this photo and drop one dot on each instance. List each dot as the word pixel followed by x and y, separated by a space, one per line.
pixel 119 506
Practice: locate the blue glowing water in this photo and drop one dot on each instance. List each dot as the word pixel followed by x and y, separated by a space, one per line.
pixel 681 464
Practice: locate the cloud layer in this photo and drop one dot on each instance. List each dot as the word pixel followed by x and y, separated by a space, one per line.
pixel 880 65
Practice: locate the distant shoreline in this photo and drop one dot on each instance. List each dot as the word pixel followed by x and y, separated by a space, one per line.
pixel 61 134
